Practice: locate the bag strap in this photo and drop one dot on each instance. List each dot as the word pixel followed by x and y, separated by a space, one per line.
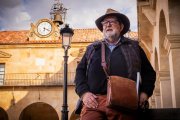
pixel 103 60
pixel 89 57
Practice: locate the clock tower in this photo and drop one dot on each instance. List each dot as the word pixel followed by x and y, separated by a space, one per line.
pixel 48 29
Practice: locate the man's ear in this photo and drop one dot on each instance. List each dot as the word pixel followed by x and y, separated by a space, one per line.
pixel 122 26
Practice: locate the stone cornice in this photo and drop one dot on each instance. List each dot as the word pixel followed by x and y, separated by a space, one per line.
pixel 172 42
pixel 163 75
pixel 52 45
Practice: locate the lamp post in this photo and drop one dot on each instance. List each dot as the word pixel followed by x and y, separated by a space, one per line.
pixel 67 34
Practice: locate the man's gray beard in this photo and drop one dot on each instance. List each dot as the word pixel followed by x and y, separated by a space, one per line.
pixel 114 37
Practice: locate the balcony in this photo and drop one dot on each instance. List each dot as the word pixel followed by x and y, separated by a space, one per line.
pixel 36 79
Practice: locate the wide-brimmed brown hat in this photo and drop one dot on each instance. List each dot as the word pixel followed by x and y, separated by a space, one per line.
pixel 121 18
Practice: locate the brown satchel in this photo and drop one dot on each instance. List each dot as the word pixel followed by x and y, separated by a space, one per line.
pixel 121 92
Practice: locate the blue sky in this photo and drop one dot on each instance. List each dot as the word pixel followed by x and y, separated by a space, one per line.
pixel 18 14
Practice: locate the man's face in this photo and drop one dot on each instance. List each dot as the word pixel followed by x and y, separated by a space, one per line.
pixel 111 27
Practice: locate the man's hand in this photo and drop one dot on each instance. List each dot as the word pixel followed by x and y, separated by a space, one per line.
pixel 89 99
pixel 143 98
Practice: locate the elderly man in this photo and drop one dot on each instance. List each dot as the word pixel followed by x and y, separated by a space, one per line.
pixel 91 80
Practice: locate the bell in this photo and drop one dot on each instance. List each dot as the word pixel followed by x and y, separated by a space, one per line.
pixel 58 18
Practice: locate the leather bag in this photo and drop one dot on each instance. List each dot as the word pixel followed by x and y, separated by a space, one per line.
pixel 121 92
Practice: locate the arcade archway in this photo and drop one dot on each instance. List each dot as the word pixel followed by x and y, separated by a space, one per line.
pixel 39 111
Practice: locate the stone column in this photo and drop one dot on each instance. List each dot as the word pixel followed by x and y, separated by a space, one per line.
pixel 172 45
pixel 157 94
pixel 165 89
pixel 152 102
pixel 158 101
pixel 155 100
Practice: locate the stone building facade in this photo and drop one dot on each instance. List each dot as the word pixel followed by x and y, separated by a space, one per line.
pixel 31 73
pixel 159 34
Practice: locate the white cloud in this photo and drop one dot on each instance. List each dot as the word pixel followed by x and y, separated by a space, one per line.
pixel 18 14
pixel 84 19
pixel 84 14
pixel 22 17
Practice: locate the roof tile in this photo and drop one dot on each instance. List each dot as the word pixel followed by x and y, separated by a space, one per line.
pixel 80 35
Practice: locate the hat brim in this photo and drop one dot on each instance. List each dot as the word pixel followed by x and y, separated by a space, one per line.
pixel 121 17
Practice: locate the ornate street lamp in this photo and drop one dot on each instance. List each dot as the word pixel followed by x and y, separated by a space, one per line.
pixel 67 34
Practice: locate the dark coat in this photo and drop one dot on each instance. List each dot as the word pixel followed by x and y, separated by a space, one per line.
pixel 125 60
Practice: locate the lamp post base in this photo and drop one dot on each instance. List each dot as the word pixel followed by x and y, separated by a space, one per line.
pixel 64 113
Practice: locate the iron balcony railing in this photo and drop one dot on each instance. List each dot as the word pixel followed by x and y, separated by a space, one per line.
pixel 36 79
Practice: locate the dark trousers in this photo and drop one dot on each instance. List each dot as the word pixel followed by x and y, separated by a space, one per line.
pixel 104 113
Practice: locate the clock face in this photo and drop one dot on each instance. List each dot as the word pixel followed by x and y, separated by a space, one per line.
pixel 44 28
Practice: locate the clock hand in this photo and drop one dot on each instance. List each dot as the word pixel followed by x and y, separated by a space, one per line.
pixel 46 29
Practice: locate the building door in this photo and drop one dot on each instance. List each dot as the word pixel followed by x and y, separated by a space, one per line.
pixel 2 72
